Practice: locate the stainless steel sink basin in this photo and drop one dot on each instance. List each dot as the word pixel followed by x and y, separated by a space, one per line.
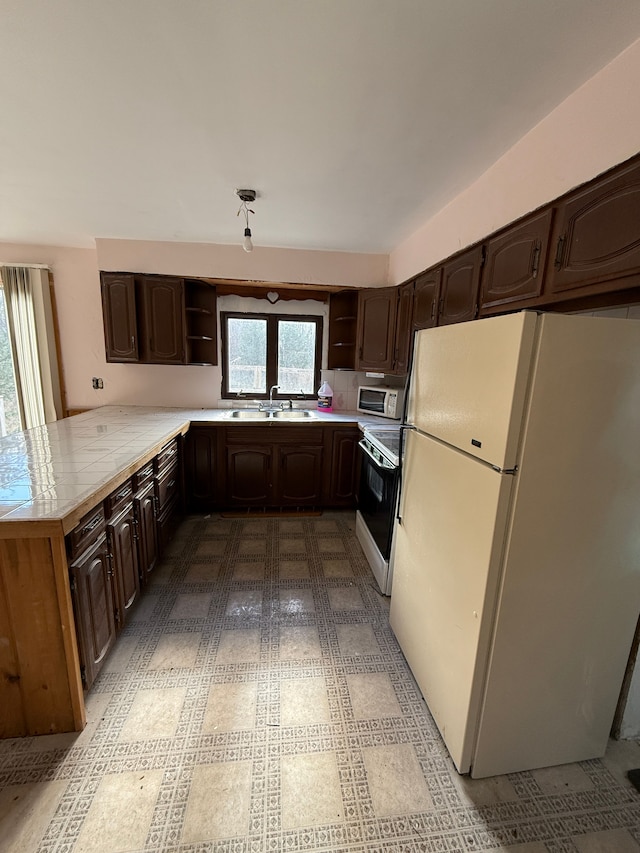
pixel 294 414
pixel 249 414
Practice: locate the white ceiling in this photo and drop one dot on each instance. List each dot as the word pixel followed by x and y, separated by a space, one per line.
pixel 353 119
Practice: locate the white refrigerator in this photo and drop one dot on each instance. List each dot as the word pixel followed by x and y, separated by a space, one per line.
pixel 517 552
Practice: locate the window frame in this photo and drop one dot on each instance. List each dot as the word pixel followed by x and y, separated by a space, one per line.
pixel 272 352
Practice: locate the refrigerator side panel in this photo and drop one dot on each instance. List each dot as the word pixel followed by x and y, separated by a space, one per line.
pixel 446 570
pixel 469 384
pixel 570 595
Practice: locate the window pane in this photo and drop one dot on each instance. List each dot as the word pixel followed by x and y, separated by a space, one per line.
pixel 9 411
pixel 247 349
pixel 296 355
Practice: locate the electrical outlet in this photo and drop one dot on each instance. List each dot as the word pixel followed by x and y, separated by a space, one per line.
pixel 97 382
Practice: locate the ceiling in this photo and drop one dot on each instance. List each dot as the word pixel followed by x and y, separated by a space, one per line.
pixel 355 120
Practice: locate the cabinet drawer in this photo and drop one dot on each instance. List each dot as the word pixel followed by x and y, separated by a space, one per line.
pixel 167 455
pixel 87 531
pixel 118 498
pixel 167 487
pixel 143 476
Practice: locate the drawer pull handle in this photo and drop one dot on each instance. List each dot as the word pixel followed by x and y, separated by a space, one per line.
pixel 91 525
pixel 171 484
pixel 123 494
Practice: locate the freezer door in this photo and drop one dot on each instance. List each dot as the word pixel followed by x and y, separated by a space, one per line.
pixel 469 383
pixel 446 573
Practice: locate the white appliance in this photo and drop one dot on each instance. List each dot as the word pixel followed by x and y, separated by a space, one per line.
pixel 517 555
pixel 377 499
pixel 380 400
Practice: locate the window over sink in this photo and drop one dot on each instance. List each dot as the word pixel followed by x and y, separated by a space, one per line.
pixel 263 350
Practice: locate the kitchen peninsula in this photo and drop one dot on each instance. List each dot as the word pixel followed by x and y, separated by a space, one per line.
pixel 56 479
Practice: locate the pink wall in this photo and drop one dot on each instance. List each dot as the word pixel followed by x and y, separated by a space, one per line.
pixel 263 264
pixel 595 128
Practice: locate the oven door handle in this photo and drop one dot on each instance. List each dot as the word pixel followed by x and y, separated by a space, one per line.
pixel 379 463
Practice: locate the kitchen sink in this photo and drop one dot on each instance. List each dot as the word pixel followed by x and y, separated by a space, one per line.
pixel 249 414
pixel 261 414
pixel 293 414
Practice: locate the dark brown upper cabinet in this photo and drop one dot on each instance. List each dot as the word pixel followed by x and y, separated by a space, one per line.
pixel 425 299
pixel 162 326
pixel 343 327
pixel 459 290
pixel 596 235
pixel 154 319
pixel 119 313
pixel 404 331
pixel 377 309
pixel 515 262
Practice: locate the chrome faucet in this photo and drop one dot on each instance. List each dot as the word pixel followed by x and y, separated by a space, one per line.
pixel 272 389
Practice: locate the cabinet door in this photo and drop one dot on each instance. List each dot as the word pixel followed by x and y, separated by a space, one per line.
pixel 515 261
pixel 459 291
pixel 404 332
pixel 144 507
pixel 123 548
pixel 343 470
pixel 249 475
pixel 162 324
pixel 93 607
pixel 119 316
pixel 299 476
pixel 425 299
pixel 596 237
pixel 201 467
pixel 377 309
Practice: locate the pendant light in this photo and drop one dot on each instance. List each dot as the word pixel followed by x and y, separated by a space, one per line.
pixel 245 197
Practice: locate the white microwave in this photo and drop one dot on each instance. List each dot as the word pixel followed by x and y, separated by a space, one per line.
pixel 379 400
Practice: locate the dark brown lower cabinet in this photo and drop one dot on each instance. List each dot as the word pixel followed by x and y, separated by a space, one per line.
pixel 203 487
pixel 123 548
pixel 342 444
pixel 144 507
pixel 168 493
pixel 249 474
pixel 298 479
pixel 93 606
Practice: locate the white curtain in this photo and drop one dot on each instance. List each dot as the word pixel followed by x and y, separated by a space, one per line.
pixel 29 317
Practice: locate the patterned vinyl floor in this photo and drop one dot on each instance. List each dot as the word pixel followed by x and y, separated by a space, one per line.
pixel 258 701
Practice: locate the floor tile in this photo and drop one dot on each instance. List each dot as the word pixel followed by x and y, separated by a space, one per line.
pixel 299 643
pixel 310 790
pixel 484 792
pixel 252 546
pixel 337 569
pixel 245 571
pixel 291 546
pixel 244 604
pixel 239 646
pixel 132 797
pixel 345 598
pixel 334 546
pixel 191 606
pixel 561 779
pixel 219 802
pixel 610 841
pixel 395 780
pixel 357 640
pixel 25 812
pixel 230 707
pixel 372 696
pixel 211 548
pixel 290 569
pixel 153 714
pixel 202 572
pixel 175 651
pixel 303 702
pixel 296 601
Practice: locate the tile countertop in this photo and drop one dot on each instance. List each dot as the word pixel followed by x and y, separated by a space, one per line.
pixel 58 471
